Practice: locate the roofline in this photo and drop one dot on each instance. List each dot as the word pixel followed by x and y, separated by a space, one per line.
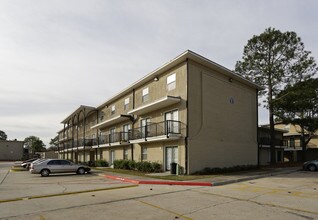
pixel 81 106
pixel 183 57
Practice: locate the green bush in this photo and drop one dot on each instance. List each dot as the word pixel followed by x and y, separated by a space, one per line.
pixel 156 167
pixel 132 164
pixel 121 164
pixel 217 170
pixel 101 163
pixel 143 166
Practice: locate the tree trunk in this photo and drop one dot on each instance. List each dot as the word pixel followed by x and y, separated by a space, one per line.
pixel 271 121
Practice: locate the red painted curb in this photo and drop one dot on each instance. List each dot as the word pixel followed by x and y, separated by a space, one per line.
pixel 158 182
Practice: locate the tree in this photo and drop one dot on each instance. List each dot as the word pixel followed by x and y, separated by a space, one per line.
pixel 298 105
pixel 34 144
pixel 273 60
pixel 54 143
pixel 3 135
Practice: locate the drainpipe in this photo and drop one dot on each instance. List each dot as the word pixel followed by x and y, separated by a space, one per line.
pixel 187 122
pixel 84 121
pixel 257 132
pixel 133 123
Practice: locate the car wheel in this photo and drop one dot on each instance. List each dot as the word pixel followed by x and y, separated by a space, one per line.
pixel 81 171
pixel 45 172
pixel 311 167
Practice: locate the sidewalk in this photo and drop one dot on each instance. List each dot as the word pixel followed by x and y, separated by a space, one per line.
pixel 213 180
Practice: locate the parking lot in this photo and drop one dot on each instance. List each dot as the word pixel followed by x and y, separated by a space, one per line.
pixel 91 196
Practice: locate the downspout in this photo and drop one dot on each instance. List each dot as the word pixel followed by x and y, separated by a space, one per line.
pixel 133 123
pixel 84 121
pixel 257 131
pixel 97 138
pixel 187 122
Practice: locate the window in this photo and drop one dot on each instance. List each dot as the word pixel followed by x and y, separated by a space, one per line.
pixel 65 162
pixel 171 82
pixel 126 104
pixel 101 115
pixel 54 162
pixel 112 135
pixel 126 153
pixel 125 133
pixel 145 94
pixel 143 124
pixel 143 153
pixel 113 110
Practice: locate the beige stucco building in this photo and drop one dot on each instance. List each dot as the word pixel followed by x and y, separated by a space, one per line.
pixel 191 111
pixel 11 150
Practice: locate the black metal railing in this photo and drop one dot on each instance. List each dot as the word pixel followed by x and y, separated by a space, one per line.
pixel 267 141
pixel 156 129
pixel 150 130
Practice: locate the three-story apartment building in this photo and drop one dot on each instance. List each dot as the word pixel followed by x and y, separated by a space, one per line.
pixel 190 111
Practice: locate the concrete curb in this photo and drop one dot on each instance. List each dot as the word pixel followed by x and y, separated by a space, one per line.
pixel 194 183
pixel 159 182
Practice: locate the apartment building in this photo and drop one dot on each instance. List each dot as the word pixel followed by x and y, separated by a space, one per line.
pixel 190 111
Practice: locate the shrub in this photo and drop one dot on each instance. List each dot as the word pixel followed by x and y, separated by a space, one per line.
pixel 101 163
pixel 132 164
pixel 156 167
pixel 217 170
pixel 121 164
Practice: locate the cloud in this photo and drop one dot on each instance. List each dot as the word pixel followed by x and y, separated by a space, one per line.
pixel 57 55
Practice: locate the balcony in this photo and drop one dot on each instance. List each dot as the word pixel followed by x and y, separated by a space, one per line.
pixel 267 141
pixel 158 104
pixel 165 130
pixel 157 131
pixel 112 121
pixel 116 138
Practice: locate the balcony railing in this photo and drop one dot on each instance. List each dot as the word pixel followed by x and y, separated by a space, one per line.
pixel 156 129
pixel 267 141
pixel 149 131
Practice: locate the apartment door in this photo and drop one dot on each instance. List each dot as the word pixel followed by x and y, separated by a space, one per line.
pixel 172 124
pixel 171 156
pixel 143 124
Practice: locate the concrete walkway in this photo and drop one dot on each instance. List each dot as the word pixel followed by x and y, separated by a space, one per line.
pixel 213 180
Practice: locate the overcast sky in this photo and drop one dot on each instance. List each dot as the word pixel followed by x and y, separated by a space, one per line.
pixel 56 55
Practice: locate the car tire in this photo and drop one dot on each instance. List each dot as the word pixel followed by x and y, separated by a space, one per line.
pixel 311 167
pixel 80 171
pixel 45 172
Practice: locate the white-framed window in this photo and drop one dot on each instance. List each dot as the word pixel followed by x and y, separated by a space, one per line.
pixel 112 137
pixel 126 103
pixel 143 124
pixel 126 153
pixel 125 133
pixel 171 82
pixel 113 110
pixel 145 94
pixel 144 153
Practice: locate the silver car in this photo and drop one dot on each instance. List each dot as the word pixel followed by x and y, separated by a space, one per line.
pixel 46 167
pixel 311 165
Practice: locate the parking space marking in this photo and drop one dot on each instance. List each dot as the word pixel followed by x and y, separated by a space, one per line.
pixel 167 210
pixel 268 190
pixel 259 203
pixel 65 193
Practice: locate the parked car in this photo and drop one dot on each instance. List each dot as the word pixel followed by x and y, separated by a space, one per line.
pixel 26 163
pixel 48 166
pixel 311 165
